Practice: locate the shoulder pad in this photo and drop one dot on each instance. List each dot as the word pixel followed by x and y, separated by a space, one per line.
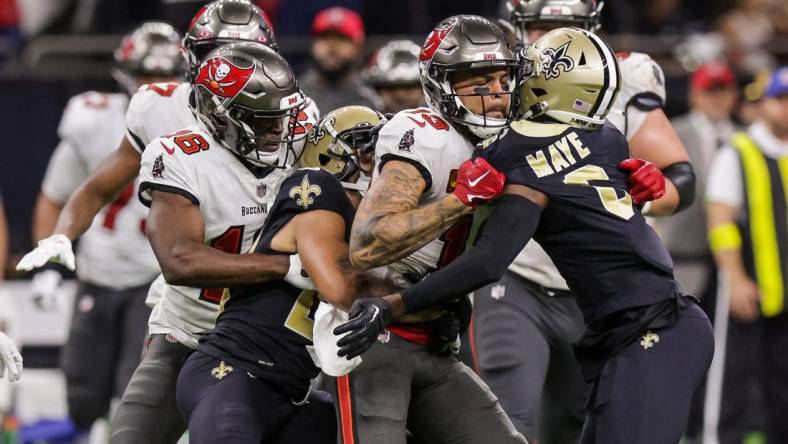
pixel 312 111
pixel 84 112
pixel 643 81
pixel 311 189
pixel 415 128
pixel 151 94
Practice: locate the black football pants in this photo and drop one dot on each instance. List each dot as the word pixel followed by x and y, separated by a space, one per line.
pixel 644 391
pixel 228 405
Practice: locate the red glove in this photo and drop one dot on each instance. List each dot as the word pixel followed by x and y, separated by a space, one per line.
pixel 646 181
pixel 478 182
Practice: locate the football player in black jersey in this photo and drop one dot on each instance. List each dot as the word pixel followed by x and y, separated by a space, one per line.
pixel 249 380
pixel 647 345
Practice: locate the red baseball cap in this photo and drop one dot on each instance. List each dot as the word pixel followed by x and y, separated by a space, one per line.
pixel 340 20
pixel 713 75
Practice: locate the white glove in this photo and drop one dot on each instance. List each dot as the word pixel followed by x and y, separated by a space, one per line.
pixel 11 359
pixel 295 276
pixel 55 248
pixel 44 287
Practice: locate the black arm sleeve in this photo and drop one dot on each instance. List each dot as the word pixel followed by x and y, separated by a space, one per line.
pixel 683 177
pixel 495 249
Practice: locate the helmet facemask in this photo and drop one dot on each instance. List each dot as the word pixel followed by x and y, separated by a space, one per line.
pixel 349 145
pixel 452 107
pixel 343 143
pixel 262 137
pixel 247 96
pixel 461 44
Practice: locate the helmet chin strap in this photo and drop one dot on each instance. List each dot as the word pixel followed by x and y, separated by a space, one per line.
pixel 361 184
pixel 478 124
pixel 537 109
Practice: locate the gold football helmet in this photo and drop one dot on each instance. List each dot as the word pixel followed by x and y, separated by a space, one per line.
pixel 572 76
pixel 337 141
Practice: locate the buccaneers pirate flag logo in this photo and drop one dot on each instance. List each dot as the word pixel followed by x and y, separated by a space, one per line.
pixel 223 78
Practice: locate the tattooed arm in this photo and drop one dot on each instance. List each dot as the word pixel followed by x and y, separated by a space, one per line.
pixel 365 284
pixel 390 224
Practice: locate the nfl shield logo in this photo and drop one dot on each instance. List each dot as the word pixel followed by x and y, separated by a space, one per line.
pixel 261 190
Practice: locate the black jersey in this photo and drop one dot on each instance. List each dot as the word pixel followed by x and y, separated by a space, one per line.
pixel 599 241
pixel 265 329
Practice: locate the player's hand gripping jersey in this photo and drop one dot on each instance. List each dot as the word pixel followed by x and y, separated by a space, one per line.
pixel 114 252
pixel 611 258
pixel 266 329
pixel 436 149
pixel 191 163
pixel 163 108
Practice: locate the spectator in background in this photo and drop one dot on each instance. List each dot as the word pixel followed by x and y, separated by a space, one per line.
pixel 712 96
pixel 333 80
pixel 9 25
pixel 393 71
pixel 752 93
pixel 748 234
pixel 748 27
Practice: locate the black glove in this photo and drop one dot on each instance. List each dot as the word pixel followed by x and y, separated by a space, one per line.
pixel 368 318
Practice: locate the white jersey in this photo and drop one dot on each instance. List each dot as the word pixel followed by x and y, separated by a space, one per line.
pixel 234 199
pixel 436 149
pixel 114 252
pixel 642 90
pixel 160 109
pixel 156 110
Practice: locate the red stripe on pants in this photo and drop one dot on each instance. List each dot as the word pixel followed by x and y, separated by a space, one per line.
pixel 345 409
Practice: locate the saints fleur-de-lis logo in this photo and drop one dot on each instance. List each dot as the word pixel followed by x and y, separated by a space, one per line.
pixel 554 59
pixel 304 193
pixel 221 371
pixel 648 340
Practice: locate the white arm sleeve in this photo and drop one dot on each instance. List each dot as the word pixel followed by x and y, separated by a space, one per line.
pixel 65 172
pixel 725 179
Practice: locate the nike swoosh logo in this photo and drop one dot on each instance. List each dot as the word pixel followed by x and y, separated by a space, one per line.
pixel 475 181
pixel 169 151
pixel 421 124
pixel 374 315
pixel 474 196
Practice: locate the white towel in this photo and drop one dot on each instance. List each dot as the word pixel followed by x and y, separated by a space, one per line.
pixel 324 353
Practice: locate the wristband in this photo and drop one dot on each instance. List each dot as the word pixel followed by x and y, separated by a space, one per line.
pixel 725 237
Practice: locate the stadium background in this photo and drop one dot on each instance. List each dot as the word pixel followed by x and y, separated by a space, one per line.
pixel 53 49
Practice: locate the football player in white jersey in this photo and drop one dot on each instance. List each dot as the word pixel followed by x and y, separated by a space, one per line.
pixel 526 323
pixel 159 109
pixel 115 262
pixel 210 185
pixel 156 109
pixel 410 222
